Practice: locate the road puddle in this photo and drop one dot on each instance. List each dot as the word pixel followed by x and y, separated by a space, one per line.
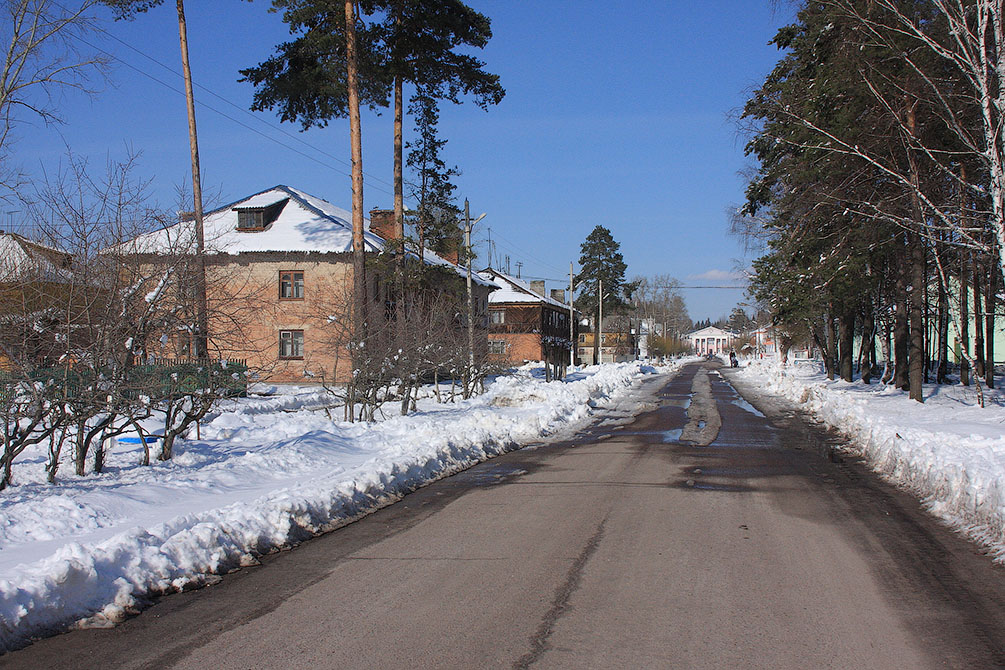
pixel 672 435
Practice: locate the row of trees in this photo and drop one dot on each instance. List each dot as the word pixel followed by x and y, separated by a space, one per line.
pixel 879 193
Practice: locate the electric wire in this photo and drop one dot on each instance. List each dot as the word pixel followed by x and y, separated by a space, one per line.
pixel 244 111
pixel 209 107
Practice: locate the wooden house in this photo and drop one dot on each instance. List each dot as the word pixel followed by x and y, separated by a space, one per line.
pixel 527 325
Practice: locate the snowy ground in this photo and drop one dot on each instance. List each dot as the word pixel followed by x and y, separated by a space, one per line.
pixel 948 451
pixel 266 473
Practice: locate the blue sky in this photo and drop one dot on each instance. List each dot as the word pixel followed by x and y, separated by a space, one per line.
pixel 615 115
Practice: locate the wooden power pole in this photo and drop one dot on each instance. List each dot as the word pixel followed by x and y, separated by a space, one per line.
pixel 201 316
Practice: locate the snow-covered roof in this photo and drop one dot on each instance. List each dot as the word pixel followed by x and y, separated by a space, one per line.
pixel 305 223
pixel 512 290
pixel 21 259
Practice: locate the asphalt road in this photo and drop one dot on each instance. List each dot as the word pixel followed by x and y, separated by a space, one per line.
pixel 700 533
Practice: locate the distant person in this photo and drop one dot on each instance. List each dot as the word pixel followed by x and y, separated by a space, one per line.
pixel 733 363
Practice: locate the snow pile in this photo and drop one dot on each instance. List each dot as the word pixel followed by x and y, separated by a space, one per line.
pixel 949 451
pixel 268 472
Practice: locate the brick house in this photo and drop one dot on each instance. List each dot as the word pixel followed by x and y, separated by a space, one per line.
pixel 617 347
pixel 527 325
pixel 279 281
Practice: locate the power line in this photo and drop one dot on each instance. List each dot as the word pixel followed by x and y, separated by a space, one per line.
pixel 512 247
pixel 278 129
pixel 227 116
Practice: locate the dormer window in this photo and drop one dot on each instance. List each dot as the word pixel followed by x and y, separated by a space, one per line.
pixel 251 219
pixel 258 218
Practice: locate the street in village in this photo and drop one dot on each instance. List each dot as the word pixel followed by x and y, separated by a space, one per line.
pixel 714 527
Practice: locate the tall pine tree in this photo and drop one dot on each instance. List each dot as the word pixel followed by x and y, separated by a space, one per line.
pixel 601 263
pixel 436 216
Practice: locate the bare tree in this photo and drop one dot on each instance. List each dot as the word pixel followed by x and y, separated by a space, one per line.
pixel 42 55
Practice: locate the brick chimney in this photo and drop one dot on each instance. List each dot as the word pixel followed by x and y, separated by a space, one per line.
pixel 558 294
pixel 537 286
pixel 382 223
pixel 452 253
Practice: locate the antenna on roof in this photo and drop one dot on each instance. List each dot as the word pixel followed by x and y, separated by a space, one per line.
pixel 519 266
pixel 507 264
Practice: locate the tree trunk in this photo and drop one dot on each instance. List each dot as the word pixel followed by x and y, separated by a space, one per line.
pixel 884 344
pixel 964 320
pixel 358 248
pixel 916 252
pixel 846 342
pixel 926 322
pixel 942 321
pixel 80 449
pixel 916 357
pixel 989 319
pixel 868 343
pixel 201 308
pixel 901 333
pixel 825 336
pixel 977 284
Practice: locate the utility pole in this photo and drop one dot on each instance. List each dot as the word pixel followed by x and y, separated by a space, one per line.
pixel 600 322
pixel 201 317
pixel 468 225
pixel 572 321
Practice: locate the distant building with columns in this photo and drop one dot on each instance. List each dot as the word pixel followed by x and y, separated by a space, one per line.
pixel 711 340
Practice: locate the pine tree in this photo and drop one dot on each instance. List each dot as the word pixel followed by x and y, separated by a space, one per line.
pixel 421 38
pixel 436 217
pixel 600 262
pixel 306 79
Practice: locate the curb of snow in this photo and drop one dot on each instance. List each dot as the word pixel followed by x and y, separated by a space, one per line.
pixel 96 585
pixel 959 478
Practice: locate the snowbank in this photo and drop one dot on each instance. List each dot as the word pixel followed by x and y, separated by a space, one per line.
pixel 267 473
pixel 948 451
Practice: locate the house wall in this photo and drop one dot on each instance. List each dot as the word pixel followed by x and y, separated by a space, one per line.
pixel 247 315
pixel 520 347
pixel 520 331
pixel 617 348
pixel 532 333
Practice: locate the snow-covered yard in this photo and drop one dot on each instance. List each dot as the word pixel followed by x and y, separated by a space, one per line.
pixel 267 472
pixel 948 451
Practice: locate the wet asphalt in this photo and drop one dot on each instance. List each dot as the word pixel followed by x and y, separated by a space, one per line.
pixel 757 545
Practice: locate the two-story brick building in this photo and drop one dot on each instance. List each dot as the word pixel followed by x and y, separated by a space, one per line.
pixel 526 325
pixel 279 281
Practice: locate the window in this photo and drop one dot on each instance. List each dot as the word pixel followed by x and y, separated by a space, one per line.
pixel 259 218
pixel 250 219
pixel 497 346
pixel 291 285
pixel 291 344
pixel 498 316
